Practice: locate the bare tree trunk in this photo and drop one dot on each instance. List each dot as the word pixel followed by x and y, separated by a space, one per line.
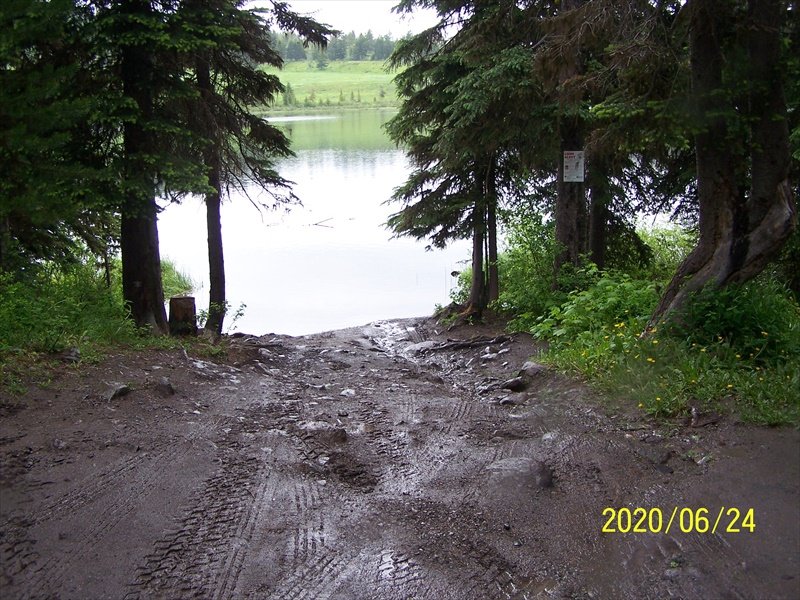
pixel 739 233
pixel 493 292
pixel 216 259
pixel 142 287
pixel 5 236
pixel 477 294
pixel 141 269
pixel 598 209
pixel 771 210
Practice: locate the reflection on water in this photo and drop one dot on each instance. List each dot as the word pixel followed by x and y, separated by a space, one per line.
pixel 329 263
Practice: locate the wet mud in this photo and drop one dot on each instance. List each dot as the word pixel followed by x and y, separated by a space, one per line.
pixel 390 461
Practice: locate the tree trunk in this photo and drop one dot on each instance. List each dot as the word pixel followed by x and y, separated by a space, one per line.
pixel 216 262
pixel 477 294
pixel 141 270
pixel 739 233
pixel 493 292
pixel 142 287
pixel 570 210
pixel 216 259
pixel 598 210
pixel 5 236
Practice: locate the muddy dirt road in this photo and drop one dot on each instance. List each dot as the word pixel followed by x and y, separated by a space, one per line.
pixel 379 462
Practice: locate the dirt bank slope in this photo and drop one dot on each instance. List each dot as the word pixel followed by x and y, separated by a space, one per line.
pixel 377 462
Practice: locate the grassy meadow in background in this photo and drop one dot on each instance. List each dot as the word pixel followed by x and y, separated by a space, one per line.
pixel 350 84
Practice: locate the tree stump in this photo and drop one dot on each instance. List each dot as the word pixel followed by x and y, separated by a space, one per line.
pixel 182 316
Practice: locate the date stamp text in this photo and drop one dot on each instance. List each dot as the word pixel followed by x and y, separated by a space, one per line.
pixel 728 519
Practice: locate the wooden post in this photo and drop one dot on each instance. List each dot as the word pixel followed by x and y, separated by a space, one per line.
pixel 182 316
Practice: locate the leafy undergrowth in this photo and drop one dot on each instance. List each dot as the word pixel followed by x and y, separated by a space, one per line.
pixel 65 312
pixel 738 346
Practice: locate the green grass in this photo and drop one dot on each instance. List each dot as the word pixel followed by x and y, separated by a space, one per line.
pixel 346 84
pixel 66 306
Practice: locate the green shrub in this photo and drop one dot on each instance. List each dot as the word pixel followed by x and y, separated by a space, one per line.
pixel 61 307
pixel 758 320
pixel 741 344
pixel 614 302
pixel 526 270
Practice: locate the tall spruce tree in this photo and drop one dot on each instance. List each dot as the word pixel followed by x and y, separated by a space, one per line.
pixel 140 34
pixel 467 144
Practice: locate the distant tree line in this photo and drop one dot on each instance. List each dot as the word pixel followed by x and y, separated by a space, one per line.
pixel 348 46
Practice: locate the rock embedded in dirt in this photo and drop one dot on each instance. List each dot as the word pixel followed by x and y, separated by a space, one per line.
pixel 517 384
pixel 655 454
pixel 164 387
pixel 420 348
pixel 70 355
pixel 531 370
pixel 528 372
pixel 117 391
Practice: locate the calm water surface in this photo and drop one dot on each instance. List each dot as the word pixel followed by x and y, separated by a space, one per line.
pixel 329 263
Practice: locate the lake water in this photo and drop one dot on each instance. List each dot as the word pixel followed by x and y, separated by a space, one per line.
pixel 331 262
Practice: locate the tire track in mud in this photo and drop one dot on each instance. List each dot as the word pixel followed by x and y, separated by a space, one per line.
pixel 388 574
pixel 235 563
pixel 488 575
pixel 210 542
pixel 458 412
pixel 305 530
pixel 312 579
pixel 396 575
pixel 41 580
pixel 87 490
pixel 206 554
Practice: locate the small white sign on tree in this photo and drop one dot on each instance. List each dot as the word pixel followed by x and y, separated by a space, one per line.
pixel 573 166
